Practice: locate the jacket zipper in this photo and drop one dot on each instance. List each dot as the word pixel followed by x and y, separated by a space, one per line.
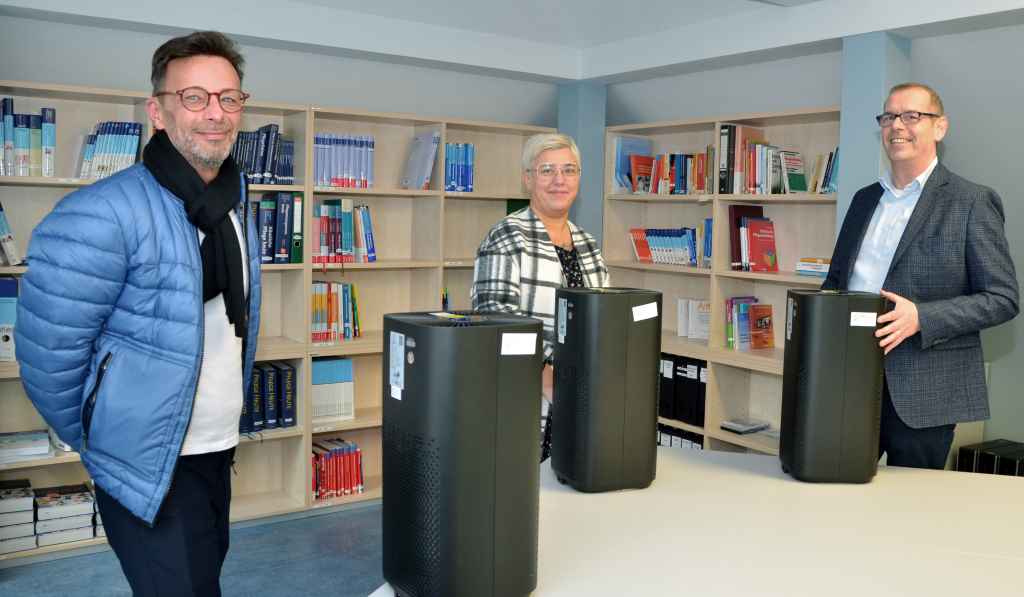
pixel 90 404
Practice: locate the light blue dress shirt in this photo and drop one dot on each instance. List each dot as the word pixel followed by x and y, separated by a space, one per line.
pixel 885 231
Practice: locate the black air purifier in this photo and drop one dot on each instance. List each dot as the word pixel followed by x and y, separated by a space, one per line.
pixel 831 386
pixel 460 451
pixel 605 410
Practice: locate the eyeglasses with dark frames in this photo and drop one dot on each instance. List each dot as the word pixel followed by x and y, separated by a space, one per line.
pixel 910 117
pixel 195 99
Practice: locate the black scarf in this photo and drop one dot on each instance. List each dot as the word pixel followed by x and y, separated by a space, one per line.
pixel 207 208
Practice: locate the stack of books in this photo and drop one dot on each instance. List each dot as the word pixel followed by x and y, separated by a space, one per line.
pixel 342 232
pixel 813 266
pixel 64 514
pixel 460 165
pixel 17 531
pixel 270 401
pixel 335 313
pixel 113 147
pixel 749 325
pixel 333 390
pixel 344 161
pixel 24 445
pixel 337 468
pixel 264 156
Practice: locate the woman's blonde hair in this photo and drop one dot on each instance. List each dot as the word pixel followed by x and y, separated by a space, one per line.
pixel 538 144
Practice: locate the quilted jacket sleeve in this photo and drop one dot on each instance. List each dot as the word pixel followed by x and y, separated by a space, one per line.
pixel 77 267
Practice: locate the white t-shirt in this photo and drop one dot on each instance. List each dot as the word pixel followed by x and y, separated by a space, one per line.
pixel 218 402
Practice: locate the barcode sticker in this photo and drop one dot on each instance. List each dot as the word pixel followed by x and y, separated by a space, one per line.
pixel 863 319
pixel 642 312
pixel 562 306
pixel 518 343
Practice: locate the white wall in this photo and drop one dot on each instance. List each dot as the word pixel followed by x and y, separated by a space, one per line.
pixel 802 82
pixel 73 54
pixel 977 76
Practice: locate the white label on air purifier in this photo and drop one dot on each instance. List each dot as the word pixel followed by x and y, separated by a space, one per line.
pixel 642 312
pixel 562 308
pixel 396 362
pixel 863 319
pixel 518 343
pixel 790 307
pixel 666 369
pixel 396 392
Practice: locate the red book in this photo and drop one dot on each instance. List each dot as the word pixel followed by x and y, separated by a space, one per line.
pixel 640 167
pixel 641 248
pixel 761 240
pixel 762 332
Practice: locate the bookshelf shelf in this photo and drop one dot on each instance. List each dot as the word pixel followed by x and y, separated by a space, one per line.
pixel 784 278
pixel 379 264
pixel 688 270
pixel 487 196
pixel 413 229
pixel 271 435
pixel 373 489
pixel 279 347
pixel 60 458
pixel 651 198
pixel 45 181
pixel 791 199
pixel 9 370
pixel 13 270
pixel 41 551
pixel 276 188
pixel 366 418
pixel 371 342
pixel 375 192
pixel 681 425
pixel 740 383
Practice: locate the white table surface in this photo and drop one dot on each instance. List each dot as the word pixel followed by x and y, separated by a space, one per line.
pixel 718 523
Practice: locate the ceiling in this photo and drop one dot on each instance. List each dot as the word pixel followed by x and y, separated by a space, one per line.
pixel 554 40
pixel 575 23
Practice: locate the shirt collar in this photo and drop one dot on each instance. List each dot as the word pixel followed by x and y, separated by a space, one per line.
pixel 914 187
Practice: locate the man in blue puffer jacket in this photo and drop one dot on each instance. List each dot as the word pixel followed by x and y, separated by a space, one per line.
pixel 137 324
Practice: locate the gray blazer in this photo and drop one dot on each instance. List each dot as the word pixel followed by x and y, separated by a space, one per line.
pixel 954 263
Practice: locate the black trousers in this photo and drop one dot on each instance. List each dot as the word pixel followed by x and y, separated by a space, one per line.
pixel 182 553
pixel 906 446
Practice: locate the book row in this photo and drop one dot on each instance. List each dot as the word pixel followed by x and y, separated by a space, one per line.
pixel 271 399
pixel 342 232
pixel 682 389
pixel 335 313
pixel 459 166
pixel 28 141
pixel 675 246
pixel 110 148
pixel 672 437
pixel 31 518
pixel 749 164
pixel 337 468
pixel 748 324
pixel 344 161
pixel 278 218
pixel 264 156
pixel 333 389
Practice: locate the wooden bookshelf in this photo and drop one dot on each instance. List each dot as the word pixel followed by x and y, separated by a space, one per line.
pixel 740 383
pixel 415 232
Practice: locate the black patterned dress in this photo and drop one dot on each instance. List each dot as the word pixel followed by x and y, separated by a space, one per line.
pixel 572 276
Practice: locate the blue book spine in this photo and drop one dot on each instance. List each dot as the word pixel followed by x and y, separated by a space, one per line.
pixel 371 248
pixel 460 167
pixel 256 399
pixel 470 163
pixel 448 186
pixel 348 231
pixel 269 375
pixel 285 394
pixel 7 110
pixel 346 309
pixel 99 153
pixel 49 141
pixel 283 228
pixel 22 144
pixel 268 213
pixel 372 143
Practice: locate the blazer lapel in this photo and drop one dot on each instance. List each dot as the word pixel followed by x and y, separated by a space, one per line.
pixel 930 196
pixel 865 216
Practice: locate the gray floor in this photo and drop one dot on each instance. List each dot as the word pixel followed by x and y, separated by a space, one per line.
pixel 337 554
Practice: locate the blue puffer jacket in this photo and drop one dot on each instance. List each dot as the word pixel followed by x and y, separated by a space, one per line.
pixel 110 330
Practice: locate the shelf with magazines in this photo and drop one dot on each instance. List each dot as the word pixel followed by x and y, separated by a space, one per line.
pixel 741 383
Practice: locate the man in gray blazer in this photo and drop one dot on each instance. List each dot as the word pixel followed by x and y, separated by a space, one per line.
pixel 933 244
